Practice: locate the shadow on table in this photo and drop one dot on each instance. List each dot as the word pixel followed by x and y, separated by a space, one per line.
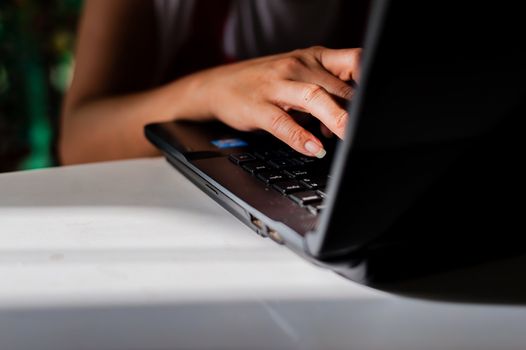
pixel 276 324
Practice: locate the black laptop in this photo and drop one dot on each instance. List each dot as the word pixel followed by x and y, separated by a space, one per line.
pixel 421 198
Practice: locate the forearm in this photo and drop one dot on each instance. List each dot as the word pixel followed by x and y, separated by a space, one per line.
pixel 111 127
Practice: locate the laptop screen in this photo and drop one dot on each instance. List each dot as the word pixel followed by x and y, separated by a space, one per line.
pixel 442 91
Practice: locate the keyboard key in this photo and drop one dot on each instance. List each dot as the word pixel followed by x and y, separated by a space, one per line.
pixel 241 158
pixel 322 191
pixel 255 167
pixel 282 163
pixel 306 197
pixel 314 182
pixel 287 152
pixel 287 187
pixel 306 160
pixel 270 177
pixel 316 208
pixel 296 173
pixel 267 154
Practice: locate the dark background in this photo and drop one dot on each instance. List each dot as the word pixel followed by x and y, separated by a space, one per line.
pixel 36 59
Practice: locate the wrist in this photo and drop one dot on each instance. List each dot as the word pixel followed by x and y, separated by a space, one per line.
pixel 184 98
pixel 202 93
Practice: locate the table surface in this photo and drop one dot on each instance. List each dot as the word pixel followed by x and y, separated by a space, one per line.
pixel 130 255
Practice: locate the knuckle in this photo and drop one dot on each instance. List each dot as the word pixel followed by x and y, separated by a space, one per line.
pixel 353 60
pixel 345 91
pixel 357 56
pixel 296 136
pixel 358 52
pixel 297 52
pixel 278 122
pixel 288 64
pixel 281 126
pixel 312 92
pixel 341 120
pixel 316 49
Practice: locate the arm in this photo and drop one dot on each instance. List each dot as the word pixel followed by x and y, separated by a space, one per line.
pixel 112 95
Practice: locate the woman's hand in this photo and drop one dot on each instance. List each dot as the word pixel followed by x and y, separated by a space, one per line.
pixel 257 94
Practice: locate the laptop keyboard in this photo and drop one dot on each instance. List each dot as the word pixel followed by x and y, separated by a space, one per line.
pixel 302 179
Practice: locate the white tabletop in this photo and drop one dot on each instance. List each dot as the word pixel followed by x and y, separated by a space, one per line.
pixel 130 255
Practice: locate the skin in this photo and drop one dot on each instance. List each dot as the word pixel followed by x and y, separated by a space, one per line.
pixel 113 96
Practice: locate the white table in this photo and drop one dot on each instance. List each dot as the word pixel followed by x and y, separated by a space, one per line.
pixel 130 255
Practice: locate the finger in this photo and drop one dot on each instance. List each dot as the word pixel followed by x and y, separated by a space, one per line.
pixel 315 100
pixel 281 125
pixel 343 63
pixel 329 82
pixel 311 71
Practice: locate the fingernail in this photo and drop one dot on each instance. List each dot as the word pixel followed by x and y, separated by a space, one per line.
pixel 315 149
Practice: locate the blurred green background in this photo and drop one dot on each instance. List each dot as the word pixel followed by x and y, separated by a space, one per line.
pixel 36 62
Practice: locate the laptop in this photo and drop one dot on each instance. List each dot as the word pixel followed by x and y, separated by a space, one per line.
pixel 418 198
